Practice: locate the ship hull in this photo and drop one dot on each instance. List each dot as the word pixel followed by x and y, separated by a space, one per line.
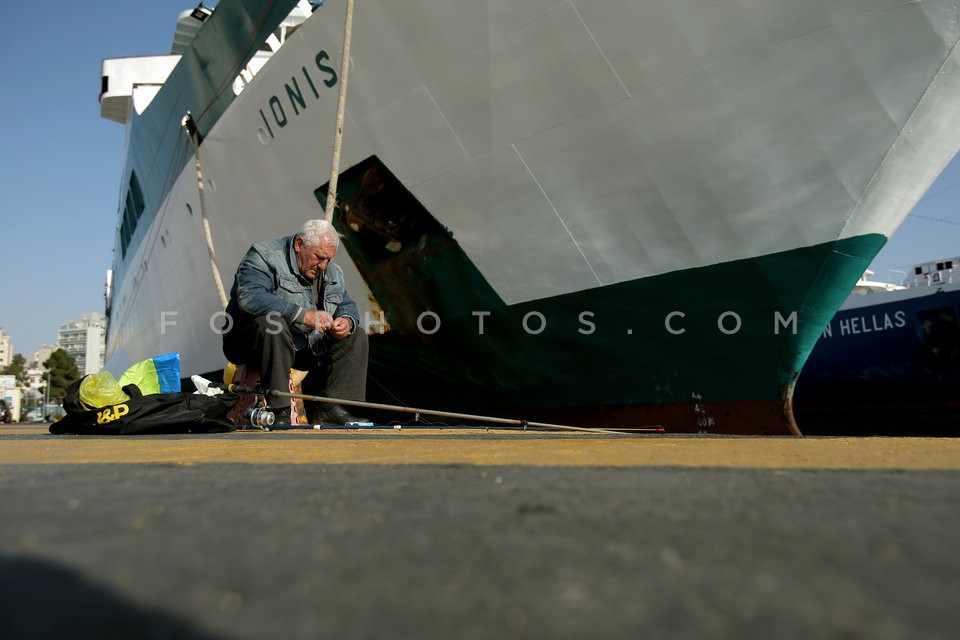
pixel 890 368
pixel 707 193
pixel 679 349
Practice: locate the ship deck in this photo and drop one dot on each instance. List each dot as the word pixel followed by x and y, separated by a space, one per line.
pixel 445 532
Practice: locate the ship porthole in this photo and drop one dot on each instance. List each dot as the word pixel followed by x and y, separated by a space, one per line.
pixel 263 136
pixel 189 209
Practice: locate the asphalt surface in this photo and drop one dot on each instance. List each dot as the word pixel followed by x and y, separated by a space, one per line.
pixel 100 540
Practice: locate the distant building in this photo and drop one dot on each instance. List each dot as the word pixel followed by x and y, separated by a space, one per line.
pixel 36 371
pixel 40 356
pixel 85 341
pixel 6 349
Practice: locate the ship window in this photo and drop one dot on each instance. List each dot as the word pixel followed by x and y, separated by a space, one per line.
pixel 124 240
pixel 939 266
pixel 130 212
pixel 133 207
pixel 137 193
pixel 104 84
pixel 917 270
pixel 949 264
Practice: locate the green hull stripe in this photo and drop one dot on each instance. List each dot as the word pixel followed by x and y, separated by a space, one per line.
pixel 630 357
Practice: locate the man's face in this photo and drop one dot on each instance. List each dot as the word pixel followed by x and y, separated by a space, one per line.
pixel 312 261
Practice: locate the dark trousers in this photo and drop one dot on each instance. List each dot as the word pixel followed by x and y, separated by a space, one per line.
pixel 340 372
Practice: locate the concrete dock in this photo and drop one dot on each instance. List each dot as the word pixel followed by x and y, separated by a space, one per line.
pixel 447 533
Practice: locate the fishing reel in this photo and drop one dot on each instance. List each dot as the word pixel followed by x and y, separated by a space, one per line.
pixel 258 414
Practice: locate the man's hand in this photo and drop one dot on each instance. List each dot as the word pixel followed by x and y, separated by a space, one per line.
pixel 341 328
pixel 338 328
pixel 318 320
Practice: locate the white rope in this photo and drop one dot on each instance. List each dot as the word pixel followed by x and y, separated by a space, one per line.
pixel 341 109
pixel 194 136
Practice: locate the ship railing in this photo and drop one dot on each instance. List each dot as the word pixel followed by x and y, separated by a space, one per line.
pixel 931 279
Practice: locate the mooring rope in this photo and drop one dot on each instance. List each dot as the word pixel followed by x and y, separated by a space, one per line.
pixel 341 109
pixel 194 135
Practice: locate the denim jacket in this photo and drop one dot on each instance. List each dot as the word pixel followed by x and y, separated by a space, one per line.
pixel 268 280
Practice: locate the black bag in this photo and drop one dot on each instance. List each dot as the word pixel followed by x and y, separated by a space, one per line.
pixel 154 413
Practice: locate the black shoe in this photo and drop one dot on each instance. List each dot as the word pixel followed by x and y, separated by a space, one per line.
pixel 281 417
pixel 333 416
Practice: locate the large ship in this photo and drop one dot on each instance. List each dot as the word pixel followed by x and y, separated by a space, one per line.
pixel 594 212
pixel 888 363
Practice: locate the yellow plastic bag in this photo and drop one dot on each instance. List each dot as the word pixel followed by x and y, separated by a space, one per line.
pixel 101 390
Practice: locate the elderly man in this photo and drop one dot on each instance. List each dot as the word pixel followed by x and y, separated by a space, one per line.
pixel 289 308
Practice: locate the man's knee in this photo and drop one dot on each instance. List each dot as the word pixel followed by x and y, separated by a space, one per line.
pixel 273 326
pixel 359 337
pixel 357 343
pixel 259 335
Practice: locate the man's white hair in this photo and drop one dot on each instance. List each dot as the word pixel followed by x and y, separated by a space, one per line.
pixel 314 232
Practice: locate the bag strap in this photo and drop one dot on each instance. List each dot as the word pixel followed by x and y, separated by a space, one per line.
pixel 133 391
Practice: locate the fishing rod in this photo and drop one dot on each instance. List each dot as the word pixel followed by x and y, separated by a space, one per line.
pixel 433 412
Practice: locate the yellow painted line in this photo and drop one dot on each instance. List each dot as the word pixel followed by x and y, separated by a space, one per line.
pixel 398 448
pixel 16 429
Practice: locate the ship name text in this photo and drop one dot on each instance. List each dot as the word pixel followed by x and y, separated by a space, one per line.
pixel 872 323
pixel 292 100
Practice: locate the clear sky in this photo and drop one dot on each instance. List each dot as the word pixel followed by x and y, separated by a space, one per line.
pixel 60 177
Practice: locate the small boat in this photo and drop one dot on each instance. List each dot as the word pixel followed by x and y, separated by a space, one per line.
pixel 889 360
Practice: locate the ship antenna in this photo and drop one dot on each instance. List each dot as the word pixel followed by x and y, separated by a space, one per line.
pixel 341 108
pixel 193 133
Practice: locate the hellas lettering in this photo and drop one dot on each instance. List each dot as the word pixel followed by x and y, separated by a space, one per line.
pixel 868 324
pixel 110 414
pixel 292 99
